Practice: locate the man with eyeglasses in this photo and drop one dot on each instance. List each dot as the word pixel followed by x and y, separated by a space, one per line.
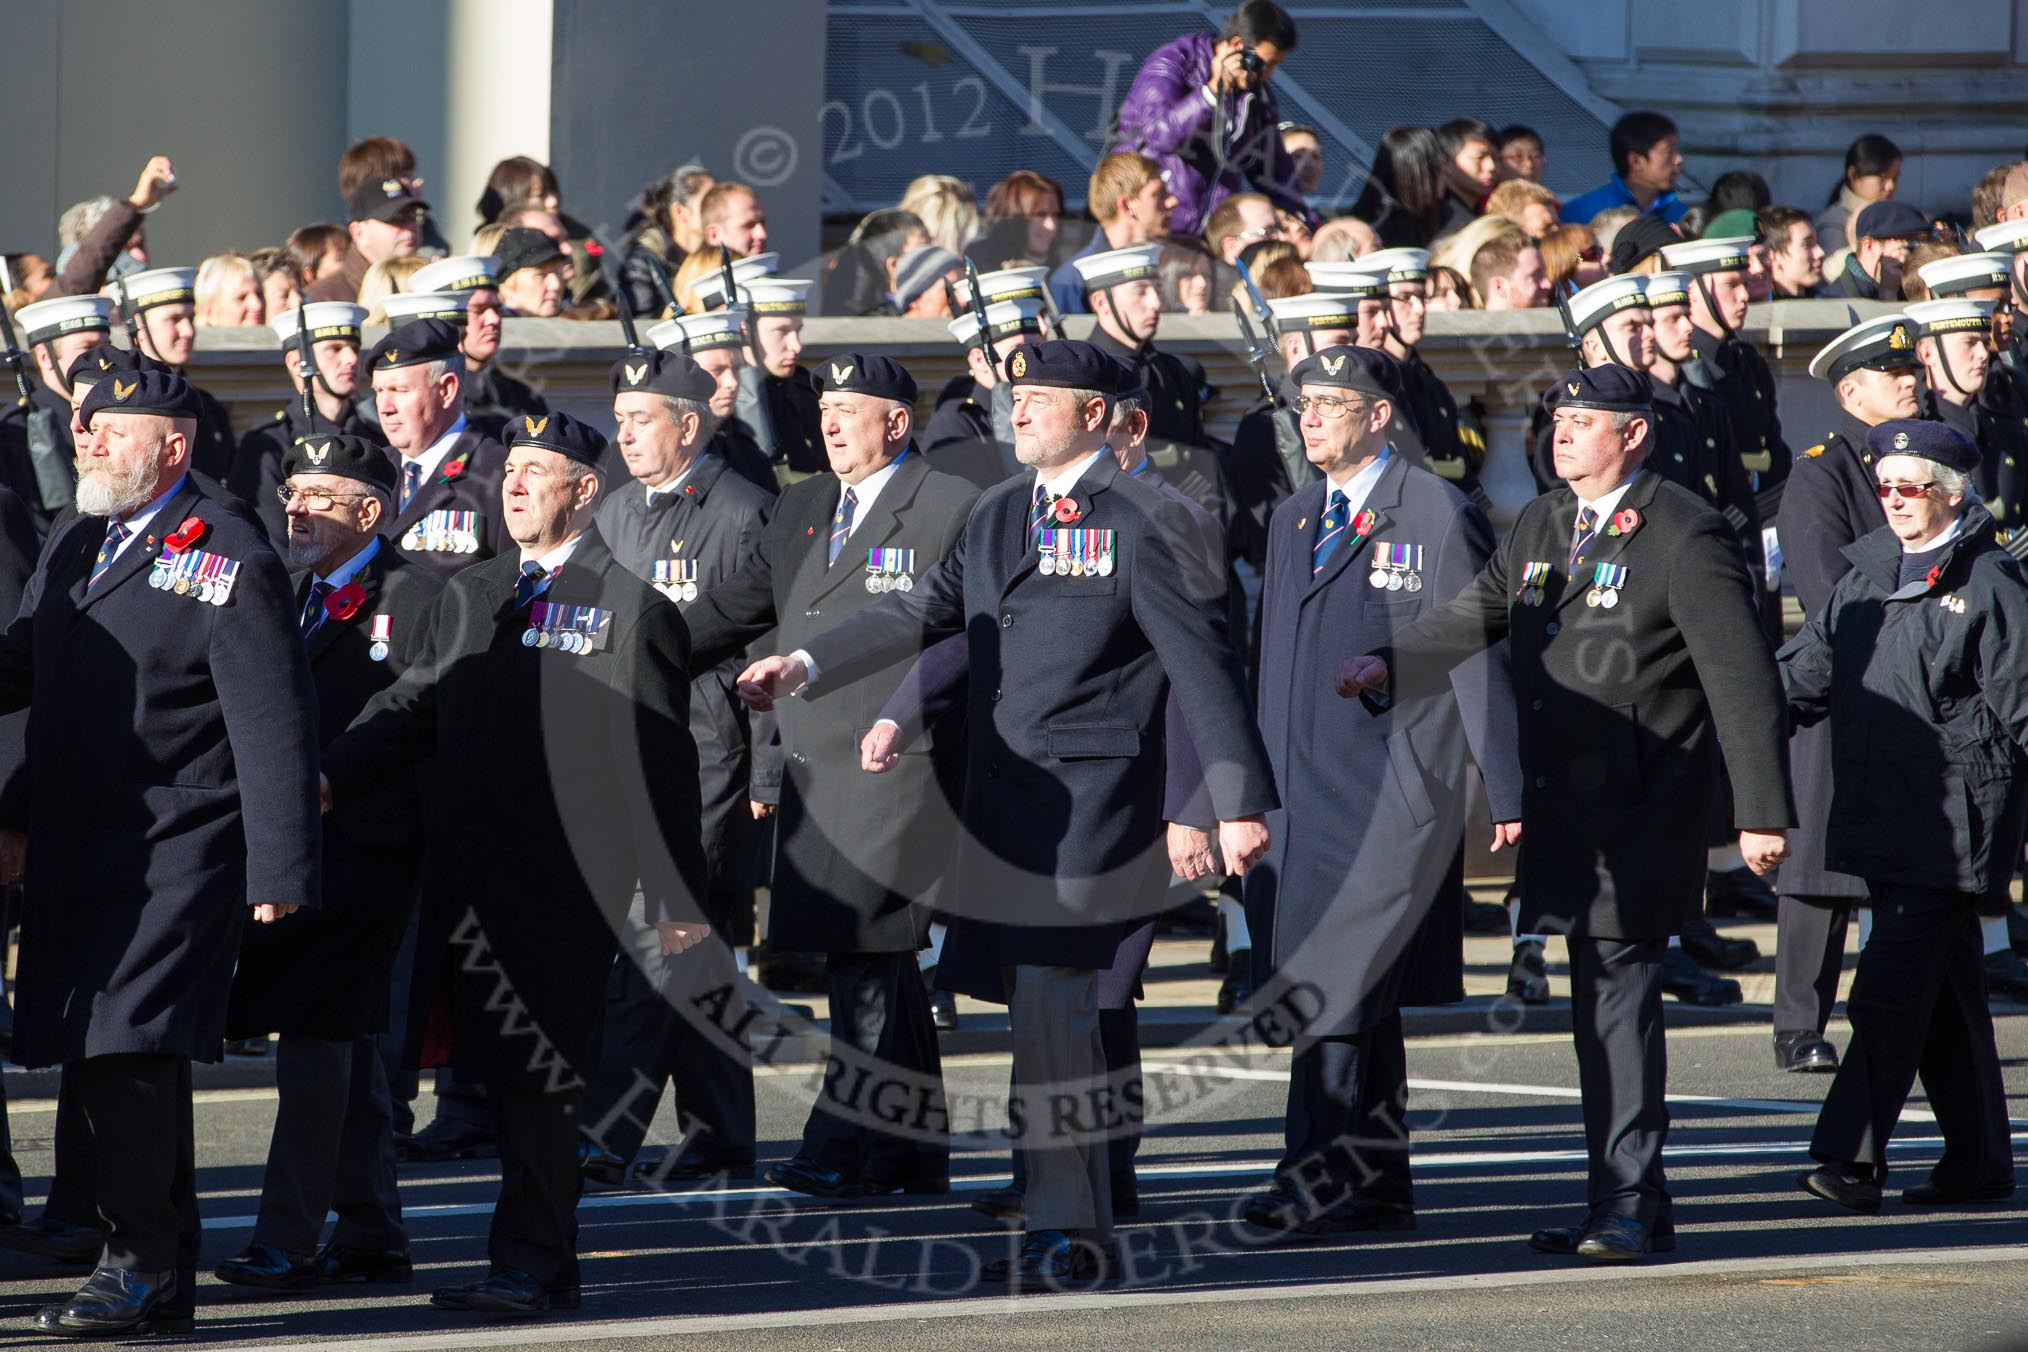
pixel 1366 836
pixel 1241 220
pixel 322 979
pixel 332 328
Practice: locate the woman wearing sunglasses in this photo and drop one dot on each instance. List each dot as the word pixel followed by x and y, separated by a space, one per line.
pixel 1919 665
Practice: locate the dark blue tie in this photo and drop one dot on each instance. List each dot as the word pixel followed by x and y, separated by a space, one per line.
pixel 1330 530
pixel 534 580
pixel 314 613
pixel 411 479
pixel 1587 527
pixel 841 525
pixel 116 535
pixel 1040 512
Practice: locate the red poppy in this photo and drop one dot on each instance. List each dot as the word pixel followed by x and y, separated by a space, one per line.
pixel 593 247
pixel 189 533
pixel 690 488
pixel 456 467
pixel 1934 573
pixel 1362 524
pixel 344 603
pixel 1624 521
pixel 1067 510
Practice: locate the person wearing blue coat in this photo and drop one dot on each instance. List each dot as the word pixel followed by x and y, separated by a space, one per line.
pixel 1372 808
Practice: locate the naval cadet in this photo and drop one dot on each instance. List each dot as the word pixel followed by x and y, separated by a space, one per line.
pixel 1123 289
pixel 859 864
pixel 684 523
pixel 158 637
pixel 1635 651
pixel 40 451
pixel 322 979
pixel 1964 387
pixel 1372 808
pixel 1430 428
pixel 163 321
pixel 492 397
pixel 332 330
pixel 716 340
pixel 556 638
pixel 968 433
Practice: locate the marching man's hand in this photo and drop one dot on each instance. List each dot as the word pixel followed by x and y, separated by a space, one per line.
pixel 1357 675
pixel 1242 842
pixel 1764 850
pixel 880 748
pixel 268 912
pixel 677 935
pixel 770 679
pixel 1190 853
pixel 1505 835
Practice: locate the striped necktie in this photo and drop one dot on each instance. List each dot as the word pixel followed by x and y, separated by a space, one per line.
pixel 116 535
pixel 1330 530
pixel 1041 511
pixel 411 479
pixel 534 580
pixel 841 525
pixel 1587 527
pixel 314 612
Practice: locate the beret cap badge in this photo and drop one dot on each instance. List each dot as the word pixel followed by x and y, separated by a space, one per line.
pixel 317 452
pixel 1019 365
pixel 636 374
pixel 125 391
pixel 534 427
pixel 1333 365
pixel 1901 441
pixel 841 374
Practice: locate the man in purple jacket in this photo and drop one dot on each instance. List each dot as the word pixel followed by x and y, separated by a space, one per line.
pixel 1201 107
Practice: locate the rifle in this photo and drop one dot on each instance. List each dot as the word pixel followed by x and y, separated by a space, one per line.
pixel 626 308
pixel 731 298
pixel 55 479
pixel 306 367
pixel 128 317
pixel 16 360
pixel 1256 354
pixel 1570 333
pixel 978 307
pixel 1261 311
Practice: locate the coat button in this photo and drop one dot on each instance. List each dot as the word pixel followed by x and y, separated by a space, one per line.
pixel 996 697
pixel 1006 621
pixel 1551 628
pixel 1542 781
pixel 1535 705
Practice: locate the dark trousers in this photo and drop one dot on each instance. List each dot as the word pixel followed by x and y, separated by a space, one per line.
pixel 1622 1072
pixel 137 1122
pixel 1809 954
pixel 535 1221
pixel 333 1146
pixel 10 1172
pixel 881 1033
pixel 670 1019
pixel 1918 1004
pixel 1347 1126
pixel 404 1082
pixel 1064 1107
pixel 1120 1036
pixel 73 1192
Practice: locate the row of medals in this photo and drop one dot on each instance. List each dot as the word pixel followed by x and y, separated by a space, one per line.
pixel 1602 596
pixel 1051 566
pixel 876 583
pixel 440 542
pixel 678 591
pixel 217 592
pixel 1383 578
pixel 563 640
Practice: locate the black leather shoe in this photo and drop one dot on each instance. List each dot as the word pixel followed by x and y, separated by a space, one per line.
pixel 1835 1185
pixel 266 1266
pixel 1708 948
pixel 510 1291
pixel 336 1265
pixel 1563 1240
pixel 1615 1239
pixel 943 1011
pixel 1684 979
pixel 58 1241
pixel 1359 1214
pixel 2007 977
pixel 1929 1194
pixel 1528 975
pixel 451 1139
pixel 1279 1209
pixel 1804 1053
pixel 803 1174
pixel 1009 1206
pixel 114 1301
pixel 1739 893
pixel 1237 988
pixel 1051 1260
pixel 596 1164
pixel 248 1048
pixel 691 1165
pixel 923 1183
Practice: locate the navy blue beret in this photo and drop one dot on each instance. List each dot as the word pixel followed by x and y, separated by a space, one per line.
pixel 856 373
pixel 162 393
pixel 1064 364
pixel 1930 440
pixel 558 432
pixel 96 363
pixel 1889 220
pixel 665 373
pixel 1615 389
pixel 419 340
pixel 347 456
pixel 1365 369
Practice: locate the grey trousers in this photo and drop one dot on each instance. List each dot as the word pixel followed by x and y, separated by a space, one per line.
pixel 333 1147
pixel 1061 1098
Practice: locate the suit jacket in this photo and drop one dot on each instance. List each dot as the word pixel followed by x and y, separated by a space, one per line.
pixel 190 730
pixel 859 859
pixel 325 973
pixel 468 479
pixel 1621 708
pixel 712 524
pixel 1063 846
pixel 1372 808
pixel 1832 499
pixel 579 783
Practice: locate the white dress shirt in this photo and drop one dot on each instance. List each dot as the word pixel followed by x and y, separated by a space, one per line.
pixel 433 455
pixel 138 522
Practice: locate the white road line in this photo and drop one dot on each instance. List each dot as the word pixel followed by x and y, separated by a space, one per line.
pixel 1001 1307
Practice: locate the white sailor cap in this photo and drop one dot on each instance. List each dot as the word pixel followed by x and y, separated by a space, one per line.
pixel 709 287
pixel 467 272
pixel 47 319
pixel 2007 237
pixel 1004 318
pixel 1006 284
pixel 1315 311
pixel 775 295
pixel 320 320
pixel 705 332
pixel 1883 344
pixel 1596 303
pixel 1965 272
pixel 1400 265
pixel 1666 288
pixel 160 286
pixel 1955 314
pixel 1693 256
pixel 666 336
pixel 1351 279
pixel 406 306
pixel 1136 262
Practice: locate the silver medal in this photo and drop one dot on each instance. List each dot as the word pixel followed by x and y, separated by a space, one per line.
pixel 1414 582
pixel 873 584
pixel 378 652
pixel 690 591
pixel 1377 579
pixel 904 583
pixel 1047 567
pixel 1394 582
pixel 1611 598
pixel 530 637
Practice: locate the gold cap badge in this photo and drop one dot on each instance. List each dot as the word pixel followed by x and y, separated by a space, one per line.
pixel 1018 366
pixel 534 427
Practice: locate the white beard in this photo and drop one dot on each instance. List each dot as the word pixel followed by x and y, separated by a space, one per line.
pixel 104 490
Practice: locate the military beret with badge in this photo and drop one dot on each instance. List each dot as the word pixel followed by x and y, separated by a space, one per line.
pixel 346 456
pixel 1610 389
pixel 559 432
pixel 1363 370
pixel 858 373
pixel 161 393
pixel 667 373
pixel 1926 440
pixel 416 343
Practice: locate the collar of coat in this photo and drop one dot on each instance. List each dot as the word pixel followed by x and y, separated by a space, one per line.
pixel 1877 554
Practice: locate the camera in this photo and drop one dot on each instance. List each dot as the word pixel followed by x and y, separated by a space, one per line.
pixel 1250 62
